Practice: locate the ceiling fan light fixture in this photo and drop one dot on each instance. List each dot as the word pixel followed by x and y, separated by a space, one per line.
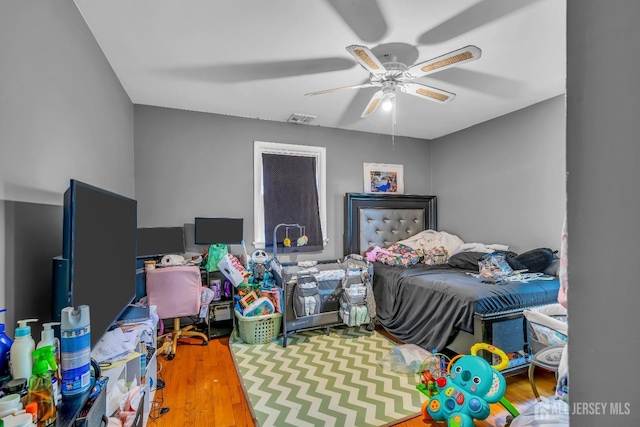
pixel 387 101
pixel 388 94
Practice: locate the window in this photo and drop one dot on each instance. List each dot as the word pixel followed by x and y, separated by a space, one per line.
pixel 318 154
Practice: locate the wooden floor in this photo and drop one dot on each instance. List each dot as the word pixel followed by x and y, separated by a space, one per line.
pixel 203 389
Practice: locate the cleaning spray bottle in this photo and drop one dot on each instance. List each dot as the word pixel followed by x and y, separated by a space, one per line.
pixel 5 347
pixel 75 346
pixel 47 337
pixel 40 388
pixel 20 353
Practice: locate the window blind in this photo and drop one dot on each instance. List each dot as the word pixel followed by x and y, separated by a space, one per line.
pixel 291 197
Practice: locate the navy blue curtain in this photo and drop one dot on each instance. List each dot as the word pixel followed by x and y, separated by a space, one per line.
pixel 291 197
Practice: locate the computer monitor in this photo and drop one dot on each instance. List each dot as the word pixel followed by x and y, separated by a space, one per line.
pixel 98 263
pixel 218 230
pixel 158 241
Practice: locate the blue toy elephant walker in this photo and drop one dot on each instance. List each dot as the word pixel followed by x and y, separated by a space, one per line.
pixel 462 389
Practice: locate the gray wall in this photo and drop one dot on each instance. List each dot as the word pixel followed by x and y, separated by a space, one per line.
pixel 603 148
pixel 503 181
pixel 192 164
pixel 34 236
pixel 63 114
pixel 518 159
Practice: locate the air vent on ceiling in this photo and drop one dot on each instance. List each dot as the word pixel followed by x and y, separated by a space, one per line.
pixel 301 119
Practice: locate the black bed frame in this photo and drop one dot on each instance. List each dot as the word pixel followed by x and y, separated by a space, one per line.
pixel 506 330
pixel 354 202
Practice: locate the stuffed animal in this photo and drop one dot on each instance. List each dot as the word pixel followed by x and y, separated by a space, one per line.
pixel 259 265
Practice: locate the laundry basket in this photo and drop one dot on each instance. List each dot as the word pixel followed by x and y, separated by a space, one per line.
pixel 259 329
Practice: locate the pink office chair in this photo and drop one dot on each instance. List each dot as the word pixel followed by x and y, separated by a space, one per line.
pixel 175 291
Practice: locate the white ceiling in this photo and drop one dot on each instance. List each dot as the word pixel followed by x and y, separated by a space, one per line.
pixel 257 58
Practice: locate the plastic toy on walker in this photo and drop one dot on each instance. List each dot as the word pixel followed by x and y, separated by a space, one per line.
pixel 460 390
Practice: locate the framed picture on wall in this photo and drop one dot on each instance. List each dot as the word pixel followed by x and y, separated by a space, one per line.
pixel 383 178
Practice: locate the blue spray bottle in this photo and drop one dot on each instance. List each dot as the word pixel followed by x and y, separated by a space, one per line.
pixel 5 346
pixel 75 346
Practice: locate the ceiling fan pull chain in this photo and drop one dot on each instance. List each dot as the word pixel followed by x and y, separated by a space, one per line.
pixel 393 124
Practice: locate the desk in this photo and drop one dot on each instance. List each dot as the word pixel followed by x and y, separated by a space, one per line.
pixel 68 410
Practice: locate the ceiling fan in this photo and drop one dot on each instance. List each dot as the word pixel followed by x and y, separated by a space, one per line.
pixel 393 74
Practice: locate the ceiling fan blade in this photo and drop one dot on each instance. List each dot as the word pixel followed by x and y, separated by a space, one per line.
pixel 481 14
pixel 364 17
pixel 373 104
pixel 367 59
pixel 448 60
pixel 427 92
pixel 340 89
pixel 257 71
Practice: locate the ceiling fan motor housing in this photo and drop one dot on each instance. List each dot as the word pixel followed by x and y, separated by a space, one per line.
pixel 389 88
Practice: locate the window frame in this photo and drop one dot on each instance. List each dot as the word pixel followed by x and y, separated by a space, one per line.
pixel 263 147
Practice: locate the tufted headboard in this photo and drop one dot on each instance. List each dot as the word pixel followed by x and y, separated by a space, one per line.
pixel 372 219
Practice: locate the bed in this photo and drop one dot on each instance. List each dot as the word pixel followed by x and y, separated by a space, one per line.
pixel 438 307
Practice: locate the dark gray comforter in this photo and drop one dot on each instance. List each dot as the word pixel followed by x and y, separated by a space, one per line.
pixel 428 305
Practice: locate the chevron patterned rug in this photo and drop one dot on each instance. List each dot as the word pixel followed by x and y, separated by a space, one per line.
pixel 325 380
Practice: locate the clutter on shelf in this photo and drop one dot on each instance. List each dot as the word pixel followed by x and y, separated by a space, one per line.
pixel 233 269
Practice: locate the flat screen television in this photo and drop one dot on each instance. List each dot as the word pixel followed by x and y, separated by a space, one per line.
pixel 218 230
pixel 157 241
pixel 99 253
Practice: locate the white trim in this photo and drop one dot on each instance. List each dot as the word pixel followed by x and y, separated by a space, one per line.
pixel 260 147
